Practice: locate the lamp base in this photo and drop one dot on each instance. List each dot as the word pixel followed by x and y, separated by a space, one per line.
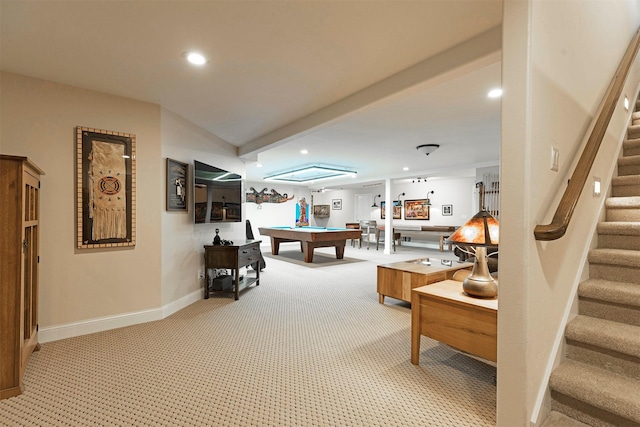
pixel 480 284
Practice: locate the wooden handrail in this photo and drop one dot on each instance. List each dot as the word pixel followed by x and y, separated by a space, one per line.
pixel 561 218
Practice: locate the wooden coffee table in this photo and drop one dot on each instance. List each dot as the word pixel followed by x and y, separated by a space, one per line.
pixel 396 280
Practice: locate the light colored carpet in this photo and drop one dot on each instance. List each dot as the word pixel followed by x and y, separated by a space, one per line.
pixel 308 347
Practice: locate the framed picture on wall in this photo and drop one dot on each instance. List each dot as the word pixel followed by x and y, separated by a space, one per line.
pixel 416 209
pixel 397 210
pixel 447 210
pixel 336 204
pixel 105 188
pixel 177 188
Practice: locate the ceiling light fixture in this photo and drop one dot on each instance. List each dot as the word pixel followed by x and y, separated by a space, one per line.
pixel 196 58
pixel 427 148
pixel 304 151
pixel 311 173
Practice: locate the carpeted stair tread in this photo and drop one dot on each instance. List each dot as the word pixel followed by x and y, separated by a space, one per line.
pixel 599 388
pixel 622 228
pixel 606 290
pixel 623 257
pixel 630 202
pixel 631 143
pixel 557 419
pixel 614 336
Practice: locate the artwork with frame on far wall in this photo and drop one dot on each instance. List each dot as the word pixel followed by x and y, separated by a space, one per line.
pixel 397 210
pixel 416 209
pixel 447 210
pixel 177 188
pixel 336 204
pixel 105 188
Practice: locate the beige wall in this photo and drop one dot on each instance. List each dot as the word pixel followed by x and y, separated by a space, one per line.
pixel 182 240
pixel 558 59
pixel 38 120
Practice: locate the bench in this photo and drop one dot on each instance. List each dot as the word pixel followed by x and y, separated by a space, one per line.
pixel 438 233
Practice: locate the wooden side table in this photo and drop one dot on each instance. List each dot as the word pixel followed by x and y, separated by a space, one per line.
pixel 442 311
pixel 233 257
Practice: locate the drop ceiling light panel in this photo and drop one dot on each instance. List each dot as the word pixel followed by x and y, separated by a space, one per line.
pixel 309 173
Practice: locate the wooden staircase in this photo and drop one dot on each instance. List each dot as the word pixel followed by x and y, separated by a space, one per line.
pixel 599 382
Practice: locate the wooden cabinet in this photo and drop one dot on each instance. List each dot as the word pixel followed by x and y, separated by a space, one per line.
pixel 19 243
pixel 232 257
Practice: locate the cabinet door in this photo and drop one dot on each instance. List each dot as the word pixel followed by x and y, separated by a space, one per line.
pixel 29 273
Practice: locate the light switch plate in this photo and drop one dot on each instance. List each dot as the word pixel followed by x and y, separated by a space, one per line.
pixel 555 157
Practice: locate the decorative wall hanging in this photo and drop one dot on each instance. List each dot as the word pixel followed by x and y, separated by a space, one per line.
pixel 321 211
pixel 106 192
pixel 447 210
pixel 336 204
pixel 397 209
pixel 177 188
pixel 416 209
pixel 302 216
pixel 254 196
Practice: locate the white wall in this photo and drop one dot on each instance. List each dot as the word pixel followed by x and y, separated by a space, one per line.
pixel 558 59
pixel 38 121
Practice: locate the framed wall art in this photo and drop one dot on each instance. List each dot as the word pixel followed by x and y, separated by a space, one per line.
pixel 336 204
pixel 416 209
pixel 321 211
pixel 177 187
pixel 105 188
pixel 397 209
pixel 447 210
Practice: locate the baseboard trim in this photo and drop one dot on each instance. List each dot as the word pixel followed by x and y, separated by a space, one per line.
pixel 70 330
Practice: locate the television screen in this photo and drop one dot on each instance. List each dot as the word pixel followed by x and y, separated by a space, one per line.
pixel 217 195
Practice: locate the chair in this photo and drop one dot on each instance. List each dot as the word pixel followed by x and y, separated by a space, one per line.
pixel 368 228
pixel 380 237
pixel 353 226
pixel 249 234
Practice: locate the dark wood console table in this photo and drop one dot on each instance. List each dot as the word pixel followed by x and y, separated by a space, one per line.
pixel 233 257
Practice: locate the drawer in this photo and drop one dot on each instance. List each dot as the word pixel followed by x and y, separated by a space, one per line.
pixel 248 255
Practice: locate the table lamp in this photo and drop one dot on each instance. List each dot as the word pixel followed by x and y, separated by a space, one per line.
pixel 479 232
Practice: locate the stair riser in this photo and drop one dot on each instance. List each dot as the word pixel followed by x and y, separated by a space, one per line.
pixel 632 151
pixel 631 215
pixel 618 273
pixel 602 358
pixel 633 132
pixel 586 413
pixel 610 311
pixel 609 241
pixel 626 170
pixel 625 190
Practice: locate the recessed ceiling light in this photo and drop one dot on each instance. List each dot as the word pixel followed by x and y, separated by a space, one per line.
pixel 258 165
pixel 405 168
pixel 196 58
pixel 303 151
pixel 495 93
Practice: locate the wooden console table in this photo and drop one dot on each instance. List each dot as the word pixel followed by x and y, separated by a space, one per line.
pixel 233 257
pixel 442 311
pixel 396 280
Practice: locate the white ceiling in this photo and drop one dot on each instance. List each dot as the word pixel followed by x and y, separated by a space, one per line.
pixel 358 83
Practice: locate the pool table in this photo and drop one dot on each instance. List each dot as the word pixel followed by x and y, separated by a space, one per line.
pixel 310 238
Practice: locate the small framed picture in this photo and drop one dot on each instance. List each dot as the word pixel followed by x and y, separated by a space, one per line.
pixel 336 204
pixel 177 185
pixel 447 210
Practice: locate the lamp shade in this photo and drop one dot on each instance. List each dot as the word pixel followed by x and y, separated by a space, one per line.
pixel 481 230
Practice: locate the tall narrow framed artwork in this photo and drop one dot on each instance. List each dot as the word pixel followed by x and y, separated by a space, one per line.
pixel 177 187
pixel 105 188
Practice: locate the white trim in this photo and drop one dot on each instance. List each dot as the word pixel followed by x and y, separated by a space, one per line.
pixel 106 323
